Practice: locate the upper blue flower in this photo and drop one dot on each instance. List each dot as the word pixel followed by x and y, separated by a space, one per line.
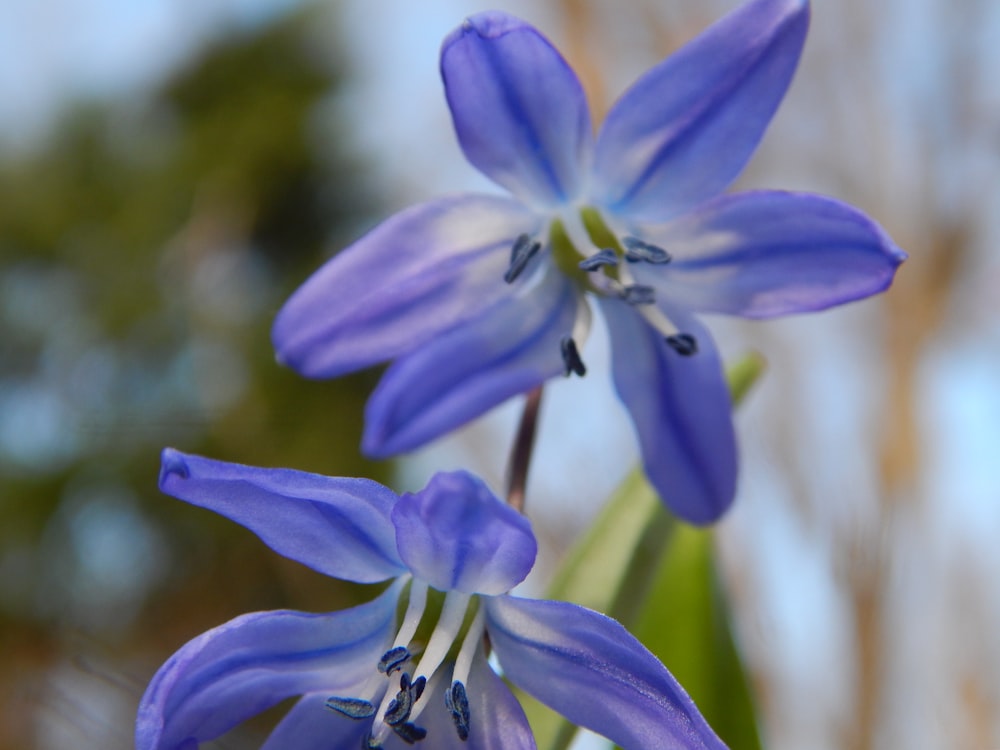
pixel 478 298
pixel 363 680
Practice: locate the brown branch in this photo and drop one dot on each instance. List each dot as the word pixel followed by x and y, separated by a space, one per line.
pixel 520 455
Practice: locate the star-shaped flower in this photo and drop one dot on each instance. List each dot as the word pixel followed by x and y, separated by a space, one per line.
pixel 478 298
pixel 363 679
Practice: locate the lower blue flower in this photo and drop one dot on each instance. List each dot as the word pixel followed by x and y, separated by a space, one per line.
pixel 363 679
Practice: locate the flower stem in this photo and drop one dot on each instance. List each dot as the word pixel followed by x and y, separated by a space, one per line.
pixel 520 455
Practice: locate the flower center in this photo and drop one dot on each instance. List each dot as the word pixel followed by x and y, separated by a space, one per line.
pixel 398 710
pixel 608 277
pixel 602 273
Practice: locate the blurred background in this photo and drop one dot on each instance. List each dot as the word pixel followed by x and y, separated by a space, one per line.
pixel 171 170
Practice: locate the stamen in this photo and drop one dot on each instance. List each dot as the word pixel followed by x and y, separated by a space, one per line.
pixel 637 250
pixel 521 253
pixel 683 343
pixel 455 698
pixel 606 257
pixel 457 703
pixel 639 294
pixel 417 688
pixel 571 357
pixel 441 640
pixel 660 322
pixel 393 660
pixel 406 706
pixel 414 613
pixel 410 733
pixel 353 708
pixel 473 639
pixel 409 693
pixel 400 706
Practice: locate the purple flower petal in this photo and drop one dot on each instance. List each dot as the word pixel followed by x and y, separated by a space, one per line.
pixel 435 717
pixel 417 274
pixel 310 725
pixel 497 719
pixel 519 110
pixel 681 409
pixel 337 526
pixel 510 349
pixel 237 670
pixel 458 536
pixel 767 253
pixel 592 671
pixel 685 129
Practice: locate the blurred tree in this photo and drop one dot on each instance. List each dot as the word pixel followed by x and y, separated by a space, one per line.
pixel 143 253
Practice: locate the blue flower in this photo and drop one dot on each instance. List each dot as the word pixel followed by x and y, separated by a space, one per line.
pixel 478 298
pixel 362 678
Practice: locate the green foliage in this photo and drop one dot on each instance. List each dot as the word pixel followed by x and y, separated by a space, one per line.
pixel 685 622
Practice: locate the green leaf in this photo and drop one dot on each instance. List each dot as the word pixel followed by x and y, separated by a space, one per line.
pixel 685 622
pixel 596 568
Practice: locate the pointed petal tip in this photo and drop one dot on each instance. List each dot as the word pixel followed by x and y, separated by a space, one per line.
pixel 897 254
pixel 376 444
pixel 278 339
pixel 489 24
pixel 786 8
pixel 293 350
pixel 892 257
pixel 173 463
pixel 302 362
pixel 893 252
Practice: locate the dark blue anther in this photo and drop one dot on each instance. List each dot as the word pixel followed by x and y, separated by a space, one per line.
pixel 417 688
pixel 409 693
pixel 683 343
pixel 354 708
pixel 174 464
pixel 457 703
pixel 409 733
pixel 638 294
pixel 399 709
pixel 571 357
pixel 605 257
pixel 521 253
pixel 393 659
pixel 638 251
